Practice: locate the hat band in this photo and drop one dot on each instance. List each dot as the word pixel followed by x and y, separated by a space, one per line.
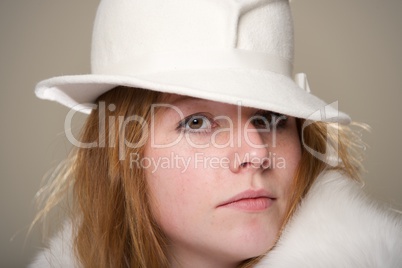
pixel 198 60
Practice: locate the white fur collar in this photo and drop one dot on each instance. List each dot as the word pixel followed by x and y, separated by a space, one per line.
pixel 59 254
pixel 335 226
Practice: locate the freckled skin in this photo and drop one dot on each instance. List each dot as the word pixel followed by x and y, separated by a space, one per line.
pixel 185 200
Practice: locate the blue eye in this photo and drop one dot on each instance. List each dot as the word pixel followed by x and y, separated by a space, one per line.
pixel 196 123
pixel 268 119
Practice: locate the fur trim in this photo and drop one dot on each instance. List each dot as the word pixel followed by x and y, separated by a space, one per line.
pixel 336 225
pixel 59 254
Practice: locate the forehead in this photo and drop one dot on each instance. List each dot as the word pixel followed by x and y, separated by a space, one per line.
pixel 193 102
pixel 177 99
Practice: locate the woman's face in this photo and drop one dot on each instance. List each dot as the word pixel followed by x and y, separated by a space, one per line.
pixel 219 178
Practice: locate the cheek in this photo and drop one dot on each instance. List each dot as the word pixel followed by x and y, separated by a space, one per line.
pixel 291 151
pixel 173 193
pixel 176 203
pixel 287 156
pixel 166 193
pixel 286 151
pixel 291 145
pixel 292 156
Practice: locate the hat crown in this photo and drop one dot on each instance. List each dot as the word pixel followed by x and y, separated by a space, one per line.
pixel 130 29
pixel 229 51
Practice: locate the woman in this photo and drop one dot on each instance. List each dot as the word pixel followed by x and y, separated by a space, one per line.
pixel 201 151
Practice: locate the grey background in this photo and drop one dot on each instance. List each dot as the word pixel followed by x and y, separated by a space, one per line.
pixel 349 48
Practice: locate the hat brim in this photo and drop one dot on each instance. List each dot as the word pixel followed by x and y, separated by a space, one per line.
pixel 250 88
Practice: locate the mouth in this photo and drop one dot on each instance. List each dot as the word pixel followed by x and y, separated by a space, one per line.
pixel 250 200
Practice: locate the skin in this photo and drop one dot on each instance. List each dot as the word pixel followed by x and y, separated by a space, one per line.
pixel 228 152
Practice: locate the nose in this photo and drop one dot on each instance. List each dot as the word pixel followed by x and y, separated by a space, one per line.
pixel 251 152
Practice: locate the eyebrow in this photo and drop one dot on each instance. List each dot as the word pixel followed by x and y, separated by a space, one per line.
pixel 183 98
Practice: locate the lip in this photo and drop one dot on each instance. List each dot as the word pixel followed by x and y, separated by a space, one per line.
pixel 250 200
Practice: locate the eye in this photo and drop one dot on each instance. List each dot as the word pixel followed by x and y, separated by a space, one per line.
pixel 197 123
pixel 268 119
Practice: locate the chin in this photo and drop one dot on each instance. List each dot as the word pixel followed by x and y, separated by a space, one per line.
pixel 254 244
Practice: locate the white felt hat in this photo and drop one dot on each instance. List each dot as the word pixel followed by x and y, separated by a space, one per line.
pixel 232 51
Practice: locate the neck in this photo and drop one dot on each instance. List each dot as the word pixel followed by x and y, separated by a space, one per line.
pixel 187 258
